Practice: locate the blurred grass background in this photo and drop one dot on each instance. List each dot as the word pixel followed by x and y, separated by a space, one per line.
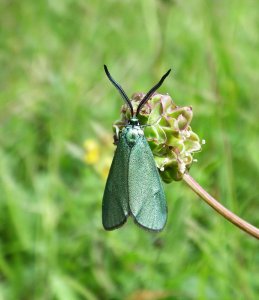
pixel 54 92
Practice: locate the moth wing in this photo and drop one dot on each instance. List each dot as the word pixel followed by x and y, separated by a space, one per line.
pixel 146 194
pixel 115 199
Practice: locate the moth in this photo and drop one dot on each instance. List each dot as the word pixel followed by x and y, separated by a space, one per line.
pixel 134 187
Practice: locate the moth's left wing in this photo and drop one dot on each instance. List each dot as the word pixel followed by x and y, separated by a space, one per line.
pixel 115 198
pixel 146 194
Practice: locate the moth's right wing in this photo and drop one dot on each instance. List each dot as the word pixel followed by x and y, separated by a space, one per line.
pixel 147 198
pixel 115 208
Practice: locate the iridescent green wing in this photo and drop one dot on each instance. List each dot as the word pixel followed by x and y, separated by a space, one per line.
pixel 146 194
pixel 115 199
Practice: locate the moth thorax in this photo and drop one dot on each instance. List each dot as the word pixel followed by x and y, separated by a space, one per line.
pixel 132 134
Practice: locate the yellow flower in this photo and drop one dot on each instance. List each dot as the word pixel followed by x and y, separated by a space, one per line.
pixel 92 152
pixel 104 171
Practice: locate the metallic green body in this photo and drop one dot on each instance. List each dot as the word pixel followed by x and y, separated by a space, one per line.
pixel 134 186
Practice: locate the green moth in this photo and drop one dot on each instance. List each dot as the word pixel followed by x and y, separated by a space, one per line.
pixel 134 187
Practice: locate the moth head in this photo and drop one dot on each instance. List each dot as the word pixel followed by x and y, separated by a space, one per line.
pixel 134 121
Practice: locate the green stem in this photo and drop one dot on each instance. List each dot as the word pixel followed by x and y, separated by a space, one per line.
pixel 242 224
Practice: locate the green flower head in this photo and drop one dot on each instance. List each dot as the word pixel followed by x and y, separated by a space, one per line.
pixel 168 133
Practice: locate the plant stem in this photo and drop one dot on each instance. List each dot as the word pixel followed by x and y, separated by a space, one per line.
pixel 242 224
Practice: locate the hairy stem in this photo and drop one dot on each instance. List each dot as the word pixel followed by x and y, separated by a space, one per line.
pixel 242 224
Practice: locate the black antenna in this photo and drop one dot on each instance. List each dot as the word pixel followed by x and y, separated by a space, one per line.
pixel 120 89
pixel 151 92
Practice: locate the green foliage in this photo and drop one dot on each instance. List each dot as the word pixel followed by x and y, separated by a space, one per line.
pixel 54 92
